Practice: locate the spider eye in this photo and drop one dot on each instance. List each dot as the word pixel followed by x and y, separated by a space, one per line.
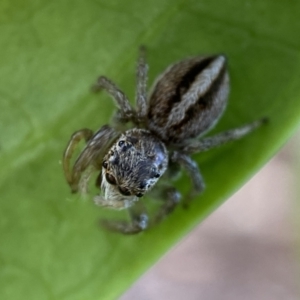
pixel 156 175
pixel 121 143
pixel 104 164
pixel 139 195
pixel 124 145
pixel 110 179
pixel 143 184
pixel 124 191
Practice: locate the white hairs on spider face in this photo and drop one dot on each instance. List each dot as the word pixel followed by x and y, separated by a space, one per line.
pixel 111 197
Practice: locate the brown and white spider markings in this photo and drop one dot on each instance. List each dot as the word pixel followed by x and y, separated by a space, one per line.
pixel 168 126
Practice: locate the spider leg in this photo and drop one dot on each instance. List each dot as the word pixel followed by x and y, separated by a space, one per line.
pixel 126 112
pixel 193 172
pixel 172 197
pixel 139 217
pixel 74 141
pixel 222 138
pixel 92 154
pixel 138 223
pixel 141 93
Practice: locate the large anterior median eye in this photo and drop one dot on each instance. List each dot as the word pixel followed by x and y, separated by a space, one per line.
pixel 110 179
pixel 124 191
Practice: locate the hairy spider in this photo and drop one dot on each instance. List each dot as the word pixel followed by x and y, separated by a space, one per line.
pixel 187 100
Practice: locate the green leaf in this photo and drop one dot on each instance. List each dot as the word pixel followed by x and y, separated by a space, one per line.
pixel 51 52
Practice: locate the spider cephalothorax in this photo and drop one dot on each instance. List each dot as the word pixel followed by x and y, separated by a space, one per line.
pixel 187 101
pixel 131 167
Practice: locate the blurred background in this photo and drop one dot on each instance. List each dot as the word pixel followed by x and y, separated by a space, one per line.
pixel 247 249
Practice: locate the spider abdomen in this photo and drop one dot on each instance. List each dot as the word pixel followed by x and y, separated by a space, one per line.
pixel 188 98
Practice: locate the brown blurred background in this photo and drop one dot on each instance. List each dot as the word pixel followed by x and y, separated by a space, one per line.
pixel 247 249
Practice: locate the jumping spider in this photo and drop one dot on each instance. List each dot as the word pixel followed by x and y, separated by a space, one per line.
pixel 187 100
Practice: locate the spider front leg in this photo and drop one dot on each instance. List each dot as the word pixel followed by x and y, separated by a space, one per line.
pixel 139 221
pixel 125 113
pixel 193 172
pixel 92 154
pixel 141 91
pixel 76 137
pixel 139 217
pixel 171 198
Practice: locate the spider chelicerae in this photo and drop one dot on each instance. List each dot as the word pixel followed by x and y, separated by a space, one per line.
pixel 186 101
